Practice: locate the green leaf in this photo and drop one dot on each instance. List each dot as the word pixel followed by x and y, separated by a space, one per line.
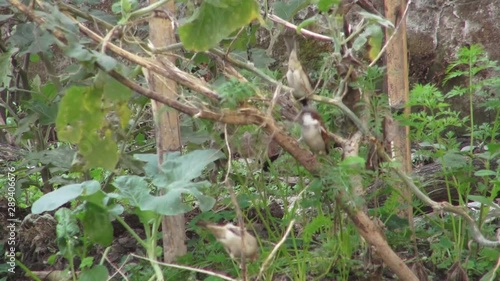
pixel 96 224
pixel 67 232
pixel 314 226
pixel 286 11
pixel 324 5
pixel 375 42
pixel 25 126
pixel 100 151
pixel 151 166
pixel 61 157
pixel 133 188
pixel 126 6
pixel 116 97
pixel 171 202
pixel 81 120
pixel 107 62
pixel 485 173
pixel 260 58
pixel 42 104
pixel 43 42
pixel 306 22
pixel 353 160
pixel 216 20
pixel 79 113
pixel 97 273
pixel 34 58
pixel 62 195
pixel 77 51
pixel 359 42
pixel 5 17
pixel 6 68
pixel 481 199
pixel 191 165
pixel 113 91
pixel 452 159
pixel 175 179
pixel 146 217
pixel 376 18
pixel 23 36
pixel 87 262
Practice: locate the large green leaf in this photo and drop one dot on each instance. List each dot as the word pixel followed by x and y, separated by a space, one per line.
pixel 81 120
pixel 116 97
pixel 151 166
pixel 99 151
pixel 96 224
pixel 171 202
pixel 42 103
pixel 286 10
pixel 67 232
pixel 324 5
pixel 178 167
pixel 79 114
pixel 61 157
pixel 453 159
pixel 96 273
pixel 133 188
pixel 215 20
pixel 6 68
pixel 30 39
pixel 175 177
pixel 189 166
pixel 62 195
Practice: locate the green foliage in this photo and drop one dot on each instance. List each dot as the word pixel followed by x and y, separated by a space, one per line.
pixel 234 93
pixel 61 196
pixel 176 176
pixel 97 273
pixel 82 120
pixel 325 5
pixel 436 118
pixel 5 68
pixel 67 236
pixel 96 224
pixel 215 20
pixel 433 126
pixel 286 10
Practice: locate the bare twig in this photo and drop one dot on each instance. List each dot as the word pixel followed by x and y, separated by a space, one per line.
pixel 303 31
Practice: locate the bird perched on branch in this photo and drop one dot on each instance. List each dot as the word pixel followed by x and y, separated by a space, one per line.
pixel 230 236
pixel 296 76
pixel 314 132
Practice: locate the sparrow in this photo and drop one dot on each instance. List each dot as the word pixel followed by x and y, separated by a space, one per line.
pixel 314 132
pixel 297 78
pixel 230 236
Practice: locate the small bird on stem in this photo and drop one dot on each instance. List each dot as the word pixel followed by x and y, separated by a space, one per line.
pixel 314 132
pixel 230 236
pixel 296 76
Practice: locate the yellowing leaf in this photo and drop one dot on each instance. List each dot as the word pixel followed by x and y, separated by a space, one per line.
pixel 79 113
pixel 99 151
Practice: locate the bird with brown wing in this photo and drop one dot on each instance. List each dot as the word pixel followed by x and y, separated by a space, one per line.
pixel 296 76
pixel 314 132
pixel 230 236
